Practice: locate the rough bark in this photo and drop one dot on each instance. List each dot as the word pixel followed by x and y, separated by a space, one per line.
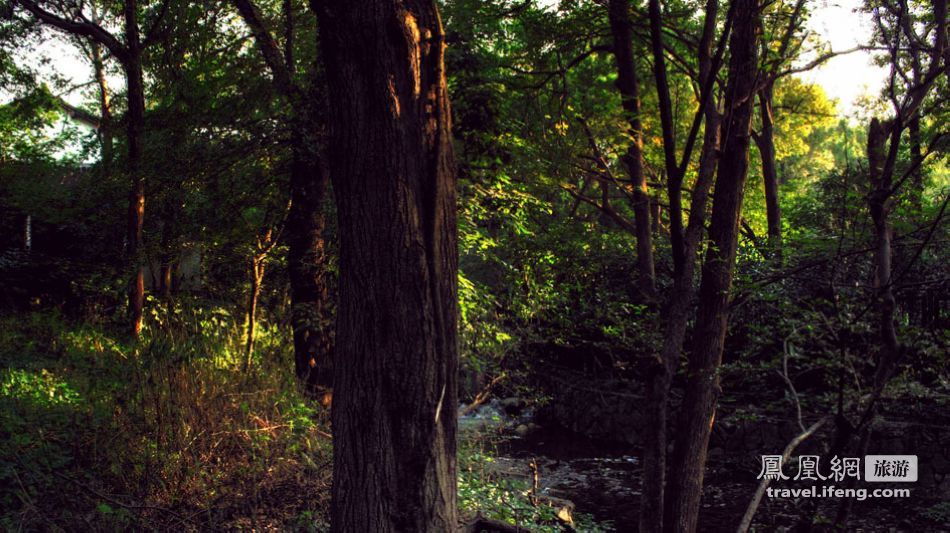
pixel 629 87
pixel 393 175
pixel 677 321
pixel 702 389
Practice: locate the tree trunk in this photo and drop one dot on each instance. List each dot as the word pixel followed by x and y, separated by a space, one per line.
pixel 702 389
pixel 916 161
pixel 165 279
pixel 677 320
pixel 655 213
pixel 306 262
pixel 257 276
pixel 309 180
pixel 652 502
pixel 167 253
pixel 135 118
pixel 28 233
pixel 391 162
pixel 880 204
pixel 105 108
pixel 766 144
pixel 629 86
pixel 674 178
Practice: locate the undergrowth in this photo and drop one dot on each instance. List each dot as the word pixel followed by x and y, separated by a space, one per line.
pixel 169 434
pixel 100 434
pixel 484 490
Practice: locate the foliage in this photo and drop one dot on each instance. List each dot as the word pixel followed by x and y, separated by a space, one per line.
pixel 162 436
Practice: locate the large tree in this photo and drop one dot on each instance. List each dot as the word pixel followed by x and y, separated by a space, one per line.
pixel 391 163
pixel 709 56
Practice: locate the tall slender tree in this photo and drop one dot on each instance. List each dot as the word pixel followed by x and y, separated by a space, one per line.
pixel 679 303
pixel 908 37
pixel 773 61
pixel 128 51
pixel 702 389
pixel 628 84
pixel 391 162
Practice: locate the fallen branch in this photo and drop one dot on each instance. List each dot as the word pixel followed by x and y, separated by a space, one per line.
pixel 484 394
pixel 757 498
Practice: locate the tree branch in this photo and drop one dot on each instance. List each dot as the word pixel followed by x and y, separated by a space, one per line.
pixel 84 28
pixel 268 47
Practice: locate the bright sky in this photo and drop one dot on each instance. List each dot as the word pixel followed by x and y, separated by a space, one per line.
pixel 844 78
pixel 848 77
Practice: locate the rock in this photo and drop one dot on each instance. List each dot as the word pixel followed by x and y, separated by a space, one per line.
pixel 565 508
pixel 564 515
pixel 522 430
pixel 512 405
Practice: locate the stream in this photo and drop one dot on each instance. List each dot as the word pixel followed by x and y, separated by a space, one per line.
pixel 601 478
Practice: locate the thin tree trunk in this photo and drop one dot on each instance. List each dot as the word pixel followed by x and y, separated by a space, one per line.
pixel 653 501
pixel 257 276
pixel 880 205
pixel 306 261
pixel 629 86
pixel 135 118
pixel 165 279
pixel 702 389
pixel 674 179
pixel 309 181
pixel 27 233
pixel 105 108
pixel 765 141
pixel 167 253
pixel 395 388
pixel 655 213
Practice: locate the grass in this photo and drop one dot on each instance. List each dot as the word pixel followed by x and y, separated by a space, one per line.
pixel 99 434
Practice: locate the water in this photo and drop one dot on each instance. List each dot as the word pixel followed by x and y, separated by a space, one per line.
pixel 601 478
